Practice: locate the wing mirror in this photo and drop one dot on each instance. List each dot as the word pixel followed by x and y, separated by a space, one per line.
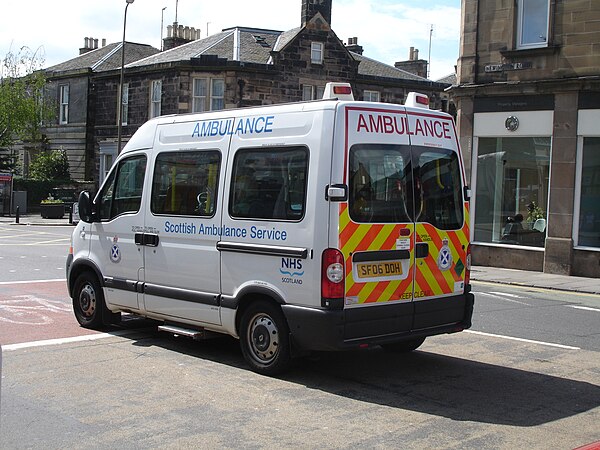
pixel 85 207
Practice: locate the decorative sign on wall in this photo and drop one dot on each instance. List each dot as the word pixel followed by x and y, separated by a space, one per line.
pixel 507 66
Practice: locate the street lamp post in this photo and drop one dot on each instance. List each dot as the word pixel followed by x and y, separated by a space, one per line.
pixel 120 104
pixel 162 15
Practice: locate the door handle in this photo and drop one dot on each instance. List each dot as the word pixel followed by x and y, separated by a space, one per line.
pixel 150 240
pixel 421 250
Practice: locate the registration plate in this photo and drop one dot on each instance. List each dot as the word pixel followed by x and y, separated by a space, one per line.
pixel 366 270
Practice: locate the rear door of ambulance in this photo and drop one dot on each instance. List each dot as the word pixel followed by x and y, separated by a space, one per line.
pixel 375 231
pixel 442 222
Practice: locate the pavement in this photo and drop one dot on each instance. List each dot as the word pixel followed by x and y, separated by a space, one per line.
pixel 478 273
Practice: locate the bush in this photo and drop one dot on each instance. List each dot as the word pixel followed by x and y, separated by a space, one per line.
pixel 50 165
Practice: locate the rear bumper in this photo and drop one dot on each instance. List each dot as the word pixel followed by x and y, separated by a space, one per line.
pixel 319 329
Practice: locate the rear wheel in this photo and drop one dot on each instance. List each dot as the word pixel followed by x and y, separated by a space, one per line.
pixel 88 301
pixel 404 346
pixel 264 338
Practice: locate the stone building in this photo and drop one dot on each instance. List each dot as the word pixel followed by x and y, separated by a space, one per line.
pixel 528 100
pixel 238 67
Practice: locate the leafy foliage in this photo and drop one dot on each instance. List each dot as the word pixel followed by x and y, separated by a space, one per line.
pixel 50 165
pixel 22 105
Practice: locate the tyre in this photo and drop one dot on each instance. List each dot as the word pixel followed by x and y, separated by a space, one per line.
pixel 88 301
pixel 265 339
pixel 404 346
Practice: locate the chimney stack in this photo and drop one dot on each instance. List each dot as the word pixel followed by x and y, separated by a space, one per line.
pixel 353 46
pixel 312 7
pixel 414 65
pixel 178 35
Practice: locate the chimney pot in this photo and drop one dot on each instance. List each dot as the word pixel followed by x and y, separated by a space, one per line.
pixel 95 43
pixel 85 42
pixel 416 54
pixel 103 42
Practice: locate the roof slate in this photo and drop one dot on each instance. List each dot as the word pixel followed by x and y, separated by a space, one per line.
pixel 105 58
pixel 370 67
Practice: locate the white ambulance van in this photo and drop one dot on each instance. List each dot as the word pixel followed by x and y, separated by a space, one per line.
pixel 324 225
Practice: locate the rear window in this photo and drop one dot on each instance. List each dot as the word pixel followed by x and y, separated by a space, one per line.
pixel 380 183
pixel 392 184
pixel 438 188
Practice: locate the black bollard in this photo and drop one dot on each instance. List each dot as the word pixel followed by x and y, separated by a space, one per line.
pixel 17 215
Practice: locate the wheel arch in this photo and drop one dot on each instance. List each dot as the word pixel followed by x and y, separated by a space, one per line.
pixel 79 267
pixel 249 294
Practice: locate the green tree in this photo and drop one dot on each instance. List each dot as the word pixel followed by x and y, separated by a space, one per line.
pixel 22 106
pixel 50 165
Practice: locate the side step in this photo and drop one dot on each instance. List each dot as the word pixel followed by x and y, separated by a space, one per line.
pixel 180 331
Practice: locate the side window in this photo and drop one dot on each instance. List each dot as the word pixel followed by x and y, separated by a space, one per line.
pixel 185 183
pixel 269 184
pixel 438 188
pixel 122 193
pixel 380 184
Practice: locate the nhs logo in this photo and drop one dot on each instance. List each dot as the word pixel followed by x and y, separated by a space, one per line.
pixel 291 269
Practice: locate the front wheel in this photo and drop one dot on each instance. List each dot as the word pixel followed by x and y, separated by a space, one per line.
pixel 404 346
pixel 264 338
pixel 88 301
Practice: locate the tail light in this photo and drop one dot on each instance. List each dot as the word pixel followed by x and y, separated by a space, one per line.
pixel 468 267
pixel 333 275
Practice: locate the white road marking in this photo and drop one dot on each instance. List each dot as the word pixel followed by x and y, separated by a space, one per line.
pixel 31 281
pixel 529 341
pixel 89 337
pixel 506 294
pixel 585 308
pixel 500 295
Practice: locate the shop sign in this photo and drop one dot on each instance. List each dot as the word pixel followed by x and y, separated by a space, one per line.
pixel 5 176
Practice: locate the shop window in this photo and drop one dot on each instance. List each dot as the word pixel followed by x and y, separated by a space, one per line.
pixel 532 23
pixel 512 190
pixel 185 183
pixel 589 207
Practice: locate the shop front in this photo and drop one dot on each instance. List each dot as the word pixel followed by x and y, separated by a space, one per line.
pixel 535 178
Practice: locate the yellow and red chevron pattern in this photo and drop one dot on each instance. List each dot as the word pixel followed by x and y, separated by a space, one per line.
pixel 356 237
pixel 424 279
pixel 430 279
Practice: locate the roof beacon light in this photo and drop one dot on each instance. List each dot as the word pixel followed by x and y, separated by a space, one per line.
pixel 417 100
pixel 341 91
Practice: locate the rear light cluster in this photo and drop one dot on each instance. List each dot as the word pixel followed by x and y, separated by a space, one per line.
pixel 333 275
pixel 342 90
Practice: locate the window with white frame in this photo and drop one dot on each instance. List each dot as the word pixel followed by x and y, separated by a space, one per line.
pixel 371 96
pixel 310 92
pixel 125 104
pixel 202 101
pixel 199 95
pixel 532 23
pixel 316 52
pixel 64 104
pixel 217 95
pixel 155 98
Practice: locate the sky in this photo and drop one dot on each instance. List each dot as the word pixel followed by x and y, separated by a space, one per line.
pixel 55 30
